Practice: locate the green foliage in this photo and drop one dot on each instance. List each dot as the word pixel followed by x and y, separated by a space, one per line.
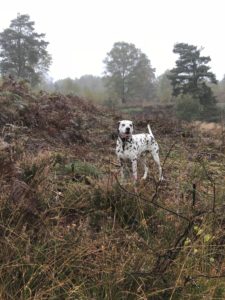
pixel 164 88
pixel 191 75
pixel 219 91
pixel 66 86
pixel 29 172
pixel 92 88
pixel 87 86
pixel 131 110
pixel 188 108
pixel 128 74
pixel 79 168
pixel 191 72
pixel 111 102
pixel 23 51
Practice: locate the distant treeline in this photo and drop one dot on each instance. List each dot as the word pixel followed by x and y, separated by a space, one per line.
pixel 93 88
pixel 128 77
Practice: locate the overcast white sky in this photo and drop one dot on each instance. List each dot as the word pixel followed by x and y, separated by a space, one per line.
pixel 81 32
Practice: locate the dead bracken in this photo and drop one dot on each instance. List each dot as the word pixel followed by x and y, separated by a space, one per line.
pixel 70 230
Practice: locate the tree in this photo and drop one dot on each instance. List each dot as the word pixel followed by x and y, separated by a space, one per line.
pixel 92 87
pixel 192 77
pixel 192 74
pixel 164 88
pixel 128 74
pixel 67 86
pixel 219 91
pixel 87 86
pixel 23 52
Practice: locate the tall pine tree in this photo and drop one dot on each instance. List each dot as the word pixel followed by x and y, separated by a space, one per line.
pixel 23 52
pixel 191 75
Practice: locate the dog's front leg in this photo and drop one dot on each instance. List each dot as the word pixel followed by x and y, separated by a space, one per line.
pixel 134 169
pixel 121 169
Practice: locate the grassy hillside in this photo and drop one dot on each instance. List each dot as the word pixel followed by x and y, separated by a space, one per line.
pixel 70 230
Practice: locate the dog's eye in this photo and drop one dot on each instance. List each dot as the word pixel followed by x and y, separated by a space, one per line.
pixel 131 125
pixel 123 125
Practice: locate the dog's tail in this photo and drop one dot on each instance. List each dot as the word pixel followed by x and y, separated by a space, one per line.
pixel 149 130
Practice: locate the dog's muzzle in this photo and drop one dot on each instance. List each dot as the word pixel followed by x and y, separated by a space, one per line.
pixel 125 136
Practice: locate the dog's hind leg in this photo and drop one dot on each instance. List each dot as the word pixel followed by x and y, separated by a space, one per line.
pixel 155 156
pixel 143 161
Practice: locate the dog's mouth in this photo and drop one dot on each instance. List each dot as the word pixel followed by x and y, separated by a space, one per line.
pixel 125 135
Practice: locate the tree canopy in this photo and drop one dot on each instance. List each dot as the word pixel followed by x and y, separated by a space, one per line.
pixel 23 51
pixel 164 88
pixel 128 73
pixel 191 74
pixel 88 86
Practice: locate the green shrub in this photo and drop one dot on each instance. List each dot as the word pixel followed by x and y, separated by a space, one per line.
pixel 80 168
pixel 188 108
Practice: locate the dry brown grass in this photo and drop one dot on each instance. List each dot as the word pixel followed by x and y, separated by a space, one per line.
pixel 69 230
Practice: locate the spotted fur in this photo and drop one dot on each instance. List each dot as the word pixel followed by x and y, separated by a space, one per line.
pixel 134 147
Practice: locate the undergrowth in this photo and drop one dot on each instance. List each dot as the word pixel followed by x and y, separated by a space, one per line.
pixel 70 230
pixel 96 241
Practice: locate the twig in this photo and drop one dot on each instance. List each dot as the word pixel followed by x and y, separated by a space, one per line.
pixel 194 194
pixel 208 276
pixel 152 201
pixel 213 184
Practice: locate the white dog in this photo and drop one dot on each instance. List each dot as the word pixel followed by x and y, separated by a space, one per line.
pixel 135 146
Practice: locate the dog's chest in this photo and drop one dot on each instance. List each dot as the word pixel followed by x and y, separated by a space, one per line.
pixel 134 148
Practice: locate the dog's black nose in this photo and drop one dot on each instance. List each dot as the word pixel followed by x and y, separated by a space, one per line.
pixel 128 130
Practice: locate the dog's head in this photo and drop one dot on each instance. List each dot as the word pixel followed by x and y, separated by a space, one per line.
pixel 125 128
